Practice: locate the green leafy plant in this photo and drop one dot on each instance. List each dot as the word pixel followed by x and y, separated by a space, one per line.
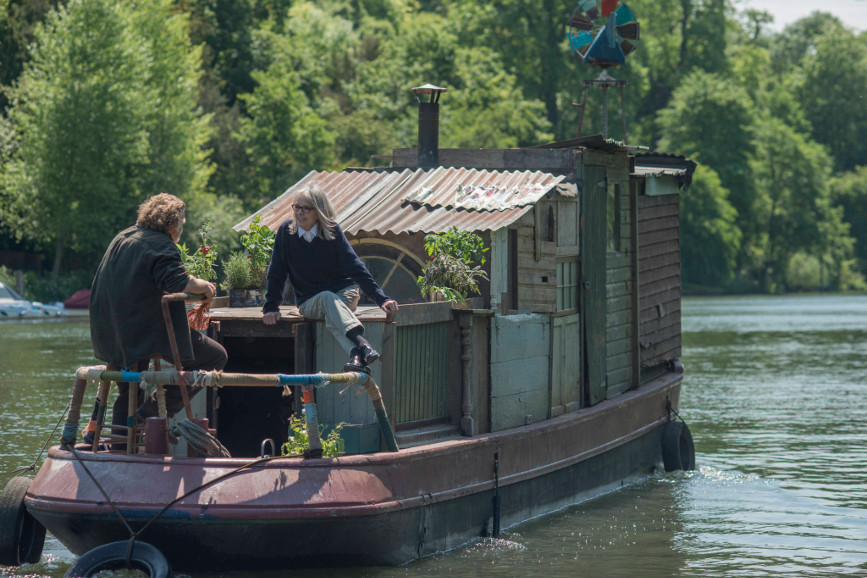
pixel 258 244
pixel 455 266
pixel 238 270
pixel 333 445
pixel 202 261
pixel 463 245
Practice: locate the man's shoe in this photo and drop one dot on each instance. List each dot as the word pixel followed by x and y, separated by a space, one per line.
pixel 370 354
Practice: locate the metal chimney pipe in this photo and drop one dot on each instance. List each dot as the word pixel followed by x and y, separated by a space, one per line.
pixel 428 135
pixel 428 125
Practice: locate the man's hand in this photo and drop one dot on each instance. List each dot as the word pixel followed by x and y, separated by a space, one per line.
pixel 200 286
pixel 271 318
pixel 390 307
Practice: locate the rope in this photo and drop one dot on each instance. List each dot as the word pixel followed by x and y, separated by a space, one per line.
pixel 134 535
pixel 111 503
pixel 32 466
pixel 200 440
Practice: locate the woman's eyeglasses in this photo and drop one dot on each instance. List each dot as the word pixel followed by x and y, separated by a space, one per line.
pixel 301 209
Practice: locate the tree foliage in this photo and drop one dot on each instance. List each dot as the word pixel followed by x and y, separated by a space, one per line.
pixel 228 102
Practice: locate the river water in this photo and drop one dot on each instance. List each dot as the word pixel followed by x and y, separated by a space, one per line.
pixel 775 395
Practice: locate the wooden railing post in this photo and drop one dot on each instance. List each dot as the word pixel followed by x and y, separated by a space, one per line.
pixel 466 324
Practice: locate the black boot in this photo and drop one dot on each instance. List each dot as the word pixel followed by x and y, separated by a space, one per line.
pixel 356 361
pixel 370 354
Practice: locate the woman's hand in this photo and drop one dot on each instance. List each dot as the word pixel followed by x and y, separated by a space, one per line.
pixel 271 318
pixel 390 307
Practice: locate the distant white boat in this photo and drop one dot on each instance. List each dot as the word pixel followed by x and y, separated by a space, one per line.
pixel 13 306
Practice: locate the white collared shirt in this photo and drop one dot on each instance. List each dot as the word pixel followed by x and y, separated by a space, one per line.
pixel 308 235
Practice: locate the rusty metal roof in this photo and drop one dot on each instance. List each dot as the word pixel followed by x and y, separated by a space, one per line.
pixel 419 200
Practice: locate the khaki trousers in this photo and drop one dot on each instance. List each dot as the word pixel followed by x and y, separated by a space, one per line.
pixel 337 311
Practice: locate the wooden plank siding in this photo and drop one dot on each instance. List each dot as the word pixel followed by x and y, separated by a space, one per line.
pixel 520 346
pixel 421 372
pixel 619 294
pixel 618 329
pixel 659 274
pixel 537 281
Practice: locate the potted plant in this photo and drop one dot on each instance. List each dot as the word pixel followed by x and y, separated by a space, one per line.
pixel 455 267
pixel 239 281
pixel 201 263
pixel 246 271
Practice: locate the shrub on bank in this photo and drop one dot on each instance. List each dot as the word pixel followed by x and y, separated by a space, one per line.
pixel 41 287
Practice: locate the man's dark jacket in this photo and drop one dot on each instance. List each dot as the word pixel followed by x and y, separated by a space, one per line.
pixel 126 319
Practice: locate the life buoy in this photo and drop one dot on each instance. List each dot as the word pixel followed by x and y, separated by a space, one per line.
pixel 21 535
pixel 678 452
pixel 112 556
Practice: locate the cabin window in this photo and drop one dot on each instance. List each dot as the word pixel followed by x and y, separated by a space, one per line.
pixel 512 302
pixel 549 225
pixel 393 268
pixel 614 217
pixel 567 285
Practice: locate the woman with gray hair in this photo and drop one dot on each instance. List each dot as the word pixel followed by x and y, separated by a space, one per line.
pixel 312 251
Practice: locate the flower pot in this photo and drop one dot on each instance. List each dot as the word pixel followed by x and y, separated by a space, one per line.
pixel 245 298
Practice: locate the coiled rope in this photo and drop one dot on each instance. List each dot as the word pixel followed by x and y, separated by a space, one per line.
pixel 199 439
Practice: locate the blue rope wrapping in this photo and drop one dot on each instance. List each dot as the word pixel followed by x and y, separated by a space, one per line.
pixel 312 426
pixel 309 379
pixel 70 430
pixel 130 376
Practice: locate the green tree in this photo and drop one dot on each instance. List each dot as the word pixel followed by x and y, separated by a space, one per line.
pixel 103 115
pixel 799 39
pixel 710 121
pixel 18 20
pixel 285 138
pixel 832 89
pixel 710 237
pixel 177 130
pixel 849 191
pixel 78 112
pixel 793 209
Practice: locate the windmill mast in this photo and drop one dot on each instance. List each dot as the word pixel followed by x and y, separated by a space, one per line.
pixel 603 33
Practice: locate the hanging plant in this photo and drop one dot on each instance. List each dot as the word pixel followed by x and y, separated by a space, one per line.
pixel 455 266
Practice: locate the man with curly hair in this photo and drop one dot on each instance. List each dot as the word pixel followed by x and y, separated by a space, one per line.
pixel 126 321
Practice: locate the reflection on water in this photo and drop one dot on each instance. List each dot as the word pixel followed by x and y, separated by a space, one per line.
pixel 776 399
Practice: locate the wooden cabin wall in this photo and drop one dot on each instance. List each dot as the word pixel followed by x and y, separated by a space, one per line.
pixel 619 309
pixel 338 404
pixel 519 369
pixel 537 283
pixel 619 273
pixel 659 275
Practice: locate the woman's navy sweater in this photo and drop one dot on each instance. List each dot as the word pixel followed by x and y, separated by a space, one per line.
pixel 315 266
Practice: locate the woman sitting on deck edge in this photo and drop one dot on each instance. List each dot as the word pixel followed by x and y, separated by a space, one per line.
pixel 312 251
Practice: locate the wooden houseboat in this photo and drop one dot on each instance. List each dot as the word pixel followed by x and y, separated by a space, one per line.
pixel 559 382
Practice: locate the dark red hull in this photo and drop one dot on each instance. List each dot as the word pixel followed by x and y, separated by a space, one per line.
pixel 379 509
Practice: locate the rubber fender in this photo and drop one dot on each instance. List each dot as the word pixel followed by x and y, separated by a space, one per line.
pixel 112 556
pixel 21 535
pixel 678 452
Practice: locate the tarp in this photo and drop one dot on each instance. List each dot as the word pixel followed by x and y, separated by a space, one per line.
pixel 79 300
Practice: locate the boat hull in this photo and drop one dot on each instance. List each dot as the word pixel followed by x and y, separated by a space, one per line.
pixel 379 509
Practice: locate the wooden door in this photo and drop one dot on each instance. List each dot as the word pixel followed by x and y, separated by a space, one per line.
pixel 565 363
pixel 594 227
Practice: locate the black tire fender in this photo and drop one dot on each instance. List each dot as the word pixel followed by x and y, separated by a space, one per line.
pixel 21 535
pixel 678 452
pixel 112 556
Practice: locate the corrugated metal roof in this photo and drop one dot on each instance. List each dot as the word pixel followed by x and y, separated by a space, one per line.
pixel 419 201
pixel 664 164
pixel 594 141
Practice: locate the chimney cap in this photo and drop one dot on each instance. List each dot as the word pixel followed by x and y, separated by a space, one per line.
pixel 433 90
